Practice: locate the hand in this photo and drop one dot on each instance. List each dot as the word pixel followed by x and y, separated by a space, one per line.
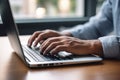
pixel 72 45
pixel 41 36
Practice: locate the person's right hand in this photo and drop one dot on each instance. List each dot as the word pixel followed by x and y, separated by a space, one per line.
pixel 40 36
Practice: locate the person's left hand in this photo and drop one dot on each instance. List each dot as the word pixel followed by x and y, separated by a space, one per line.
pixel 70 44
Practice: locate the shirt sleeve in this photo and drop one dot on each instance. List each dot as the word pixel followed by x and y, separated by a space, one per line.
pixel 111 46
pixel 97 28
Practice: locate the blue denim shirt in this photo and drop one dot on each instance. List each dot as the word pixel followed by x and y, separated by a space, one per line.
pixel 100 26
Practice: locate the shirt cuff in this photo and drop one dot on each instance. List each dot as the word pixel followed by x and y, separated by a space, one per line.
pixel 110 46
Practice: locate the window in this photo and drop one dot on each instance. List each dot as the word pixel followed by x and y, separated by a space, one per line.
pixel 37 9
pixel 33 15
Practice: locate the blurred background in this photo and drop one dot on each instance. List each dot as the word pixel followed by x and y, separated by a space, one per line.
pixel 26 9
pixel 34 15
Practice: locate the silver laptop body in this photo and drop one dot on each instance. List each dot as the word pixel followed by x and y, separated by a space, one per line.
pixel 30 55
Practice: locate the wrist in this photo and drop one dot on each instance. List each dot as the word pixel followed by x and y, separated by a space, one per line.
pixel 97 48
pixel 67 34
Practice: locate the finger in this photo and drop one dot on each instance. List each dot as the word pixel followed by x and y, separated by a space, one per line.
pixel 58 49
pixel 40 38
pixel 51 46
pixel 47 42
pixel 33 37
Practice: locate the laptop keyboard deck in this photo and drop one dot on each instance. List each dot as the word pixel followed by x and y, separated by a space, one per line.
pixel 37 56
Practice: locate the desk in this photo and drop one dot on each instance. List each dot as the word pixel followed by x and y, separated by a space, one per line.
pixel 12 68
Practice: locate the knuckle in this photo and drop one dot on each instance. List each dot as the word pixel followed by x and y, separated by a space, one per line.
pixel 36 32
pixel 64 41
pixel 51 39
pixel 63 36
pixel 40 35
pixel 38 38
pixel 48 30
pixel 71 43
pixel 55 44
pixel 59 47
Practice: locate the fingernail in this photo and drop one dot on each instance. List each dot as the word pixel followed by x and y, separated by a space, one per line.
pixel 51 53
pixel 44 53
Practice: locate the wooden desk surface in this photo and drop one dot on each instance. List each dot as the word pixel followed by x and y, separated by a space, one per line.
pixel 12 68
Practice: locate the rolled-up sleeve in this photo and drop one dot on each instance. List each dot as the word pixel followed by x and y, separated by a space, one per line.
pixel 99 27
pixel 110 46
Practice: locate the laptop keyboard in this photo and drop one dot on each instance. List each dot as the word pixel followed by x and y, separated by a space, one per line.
pixel 37 56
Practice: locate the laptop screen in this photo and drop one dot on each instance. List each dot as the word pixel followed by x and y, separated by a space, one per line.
pixel 10 27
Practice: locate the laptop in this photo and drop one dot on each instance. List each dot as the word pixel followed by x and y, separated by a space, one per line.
pixel 31 55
